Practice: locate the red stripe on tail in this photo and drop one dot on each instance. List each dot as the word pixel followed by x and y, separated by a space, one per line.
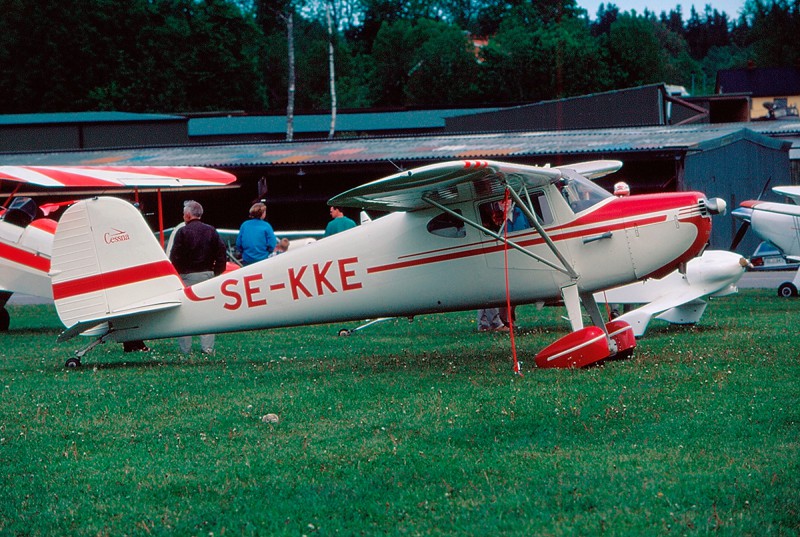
pixel 116 278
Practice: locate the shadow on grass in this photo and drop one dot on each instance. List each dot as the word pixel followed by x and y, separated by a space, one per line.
pixel 152 364
pixel 682 329
pixel 147 362
pixel 38 331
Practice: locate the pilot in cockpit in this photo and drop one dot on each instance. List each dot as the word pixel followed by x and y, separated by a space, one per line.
pixel 581 193
pixel 515 219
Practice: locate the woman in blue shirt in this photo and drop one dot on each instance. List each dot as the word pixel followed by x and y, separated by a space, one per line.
pixel 256 238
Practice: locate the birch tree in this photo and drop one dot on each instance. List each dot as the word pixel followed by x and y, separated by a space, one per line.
pixel 331 70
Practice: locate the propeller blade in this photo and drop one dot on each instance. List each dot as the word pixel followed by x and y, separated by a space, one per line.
pixel 764 190
pixel 739 235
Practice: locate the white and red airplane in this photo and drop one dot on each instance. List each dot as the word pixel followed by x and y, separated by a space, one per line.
pixel 26 238
pixel 678 297
pixel 778 223
pixel 438 250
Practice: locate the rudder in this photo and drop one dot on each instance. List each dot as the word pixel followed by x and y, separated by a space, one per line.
pixel 106 260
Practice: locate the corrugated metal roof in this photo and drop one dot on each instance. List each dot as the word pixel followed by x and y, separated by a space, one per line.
pixel 359 121
pixel 82 117
pixel 496 146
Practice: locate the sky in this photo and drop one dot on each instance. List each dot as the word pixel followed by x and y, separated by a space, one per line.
pixel 731 7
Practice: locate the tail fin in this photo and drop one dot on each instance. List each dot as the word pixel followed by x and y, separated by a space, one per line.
pixel 106 263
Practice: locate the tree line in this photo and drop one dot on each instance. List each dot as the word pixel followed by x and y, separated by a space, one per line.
pixel 193 56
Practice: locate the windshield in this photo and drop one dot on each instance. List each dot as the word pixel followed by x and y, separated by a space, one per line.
pixel 581 193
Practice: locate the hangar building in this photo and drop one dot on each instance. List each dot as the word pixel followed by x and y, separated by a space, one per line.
pixel 675 146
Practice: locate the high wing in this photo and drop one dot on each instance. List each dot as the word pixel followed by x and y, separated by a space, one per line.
pixel 116 176
pixel 792 192
pixel 445 183
pixel 595 169
pixel 450 183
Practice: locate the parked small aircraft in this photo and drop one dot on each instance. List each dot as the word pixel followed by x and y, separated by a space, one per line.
pixel 778 223
pixel 678 297
pixel 438 250
pixel 26 238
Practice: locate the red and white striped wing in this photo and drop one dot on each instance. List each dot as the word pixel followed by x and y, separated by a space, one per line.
pixel 116 176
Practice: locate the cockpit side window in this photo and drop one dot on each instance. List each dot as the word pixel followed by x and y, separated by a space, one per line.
pixel 580 192
pixel 447 225
pixel 492 213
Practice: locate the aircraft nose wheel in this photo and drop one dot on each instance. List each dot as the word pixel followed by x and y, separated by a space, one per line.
pixel 73 363
pixel 787 290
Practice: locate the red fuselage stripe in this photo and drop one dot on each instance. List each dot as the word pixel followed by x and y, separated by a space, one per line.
pixel 620 209
pixel 116 278
pixel 33 261
pixel 485 248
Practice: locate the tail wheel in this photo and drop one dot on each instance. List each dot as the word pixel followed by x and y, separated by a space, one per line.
pixel 787 290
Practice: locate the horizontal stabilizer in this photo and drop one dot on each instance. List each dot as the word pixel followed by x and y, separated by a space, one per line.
pixel 106 262
pixel 640 317
pixel 688 313
pixel 82 326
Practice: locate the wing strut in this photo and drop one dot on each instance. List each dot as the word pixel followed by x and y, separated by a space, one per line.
pixel 12 194
pixel 160 219
pixel 569 272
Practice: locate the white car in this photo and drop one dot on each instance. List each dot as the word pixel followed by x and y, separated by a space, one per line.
pixel 767 257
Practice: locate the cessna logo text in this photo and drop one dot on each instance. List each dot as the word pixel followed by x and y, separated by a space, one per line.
pixel 116 236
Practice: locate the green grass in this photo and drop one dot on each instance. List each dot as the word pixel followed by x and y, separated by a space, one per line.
pixel 407 429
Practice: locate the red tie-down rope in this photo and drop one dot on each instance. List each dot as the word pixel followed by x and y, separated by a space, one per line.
pixel 506 205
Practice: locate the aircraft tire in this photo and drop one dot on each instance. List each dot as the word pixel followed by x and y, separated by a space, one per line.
pixel 5 319
pixel 73 363
pixel 344 332
pixel 787 290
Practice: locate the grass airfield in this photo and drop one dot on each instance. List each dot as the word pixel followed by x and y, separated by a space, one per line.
pixel 407 429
